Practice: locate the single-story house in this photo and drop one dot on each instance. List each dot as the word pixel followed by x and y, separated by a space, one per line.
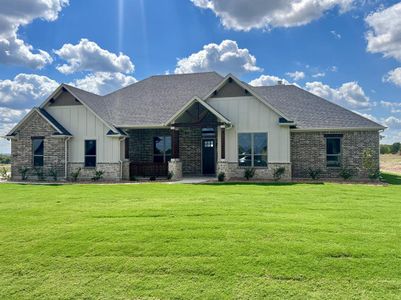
pixel 192 124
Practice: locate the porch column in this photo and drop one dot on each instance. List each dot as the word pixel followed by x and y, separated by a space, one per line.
pixel 175 141
pixel 175 165
pixel 223 142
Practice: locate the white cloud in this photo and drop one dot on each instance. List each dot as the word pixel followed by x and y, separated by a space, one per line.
pixel 224 58
pixel 13 15
pixel 297 75
pixel 267 80
pixel 262 14
pixel 102 83
pixel 320 74
pixel 25 90
pixel 385 33
pixel 350 94
pixel 88 56
pixel 8 119
pixel 335 34
pixel 394 76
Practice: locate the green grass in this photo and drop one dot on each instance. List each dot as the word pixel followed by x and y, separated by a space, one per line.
pixel 155 241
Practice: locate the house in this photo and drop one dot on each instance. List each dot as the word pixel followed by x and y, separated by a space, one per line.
pixel 192 124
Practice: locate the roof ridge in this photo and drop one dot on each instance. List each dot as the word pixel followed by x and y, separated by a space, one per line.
pixel 186 74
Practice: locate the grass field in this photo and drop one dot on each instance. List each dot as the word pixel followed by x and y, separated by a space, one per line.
pixel 155 241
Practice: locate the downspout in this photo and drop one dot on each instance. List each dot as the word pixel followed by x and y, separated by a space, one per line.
pixel 66 158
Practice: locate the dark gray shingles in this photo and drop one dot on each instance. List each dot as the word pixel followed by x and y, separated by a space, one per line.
pixel 310 111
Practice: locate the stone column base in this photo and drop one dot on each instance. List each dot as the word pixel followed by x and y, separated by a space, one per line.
pixel 175 167
pixel 223 167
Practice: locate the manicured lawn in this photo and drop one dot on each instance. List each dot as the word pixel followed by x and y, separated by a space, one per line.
pixel 155 241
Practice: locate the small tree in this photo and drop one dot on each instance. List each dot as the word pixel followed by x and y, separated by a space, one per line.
pixel 395 148
pixel 314 173
pixel 369 164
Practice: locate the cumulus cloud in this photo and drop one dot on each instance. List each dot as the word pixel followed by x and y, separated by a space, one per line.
pixel 8 119
pixel 384 35
pixel 13 15
pixel 320 74
pixel 88 56
pixel 262 14
pixel 225 57
pixel 25 90
pixel 297 75
pixel 394 76
pixel 102 83
pixel 349 94
pixel 268 80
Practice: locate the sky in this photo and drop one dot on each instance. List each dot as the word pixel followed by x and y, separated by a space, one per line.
pixel 347 51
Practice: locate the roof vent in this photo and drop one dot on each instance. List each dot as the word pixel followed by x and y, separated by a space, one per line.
pixel 280 82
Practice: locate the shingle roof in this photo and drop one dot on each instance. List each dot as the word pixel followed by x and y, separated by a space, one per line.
pixel 154 100
pixel 309 111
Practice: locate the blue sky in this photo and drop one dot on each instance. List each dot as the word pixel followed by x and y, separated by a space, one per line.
pixel 346 51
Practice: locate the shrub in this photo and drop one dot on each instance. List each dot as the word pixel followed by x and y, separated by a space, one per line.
pixel 221 176
pixel 278 173
pixel 24 172
pixel 4 173
pixel 75 175
pixel 152 178
pixel 369 163
pixel 53 173
pixel 5 159
pixel 98 175
pixel 170 175
pixel 314 173
pixel 39 173
pixel 346 173
pixel 249 173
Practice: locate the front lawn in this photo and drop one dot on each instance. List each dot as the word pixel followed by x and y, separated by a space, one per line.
pixel 158 241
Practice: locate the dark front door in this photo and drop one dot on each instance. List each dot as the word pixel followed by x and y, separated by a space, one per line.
pixel 208 156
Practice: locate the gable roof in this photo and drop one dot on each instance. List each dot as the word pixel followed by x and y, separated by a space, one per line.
pixel 309 111
pixel 154 101
pixel 60 130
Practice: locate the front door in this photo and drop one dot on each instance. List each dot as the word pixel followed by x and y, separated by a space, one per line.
pixel 208 156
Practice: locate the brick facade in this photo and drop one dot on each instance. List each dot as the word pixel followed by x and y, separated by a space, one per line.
pixel 21 149
pixel 141 147
pixel 308 150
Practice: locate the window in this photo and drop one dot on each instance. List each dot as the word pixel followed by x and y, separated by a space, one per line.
pixel 252 149
pixel 90 153
pixel 161 149
pixel 38 151
pixel 333 151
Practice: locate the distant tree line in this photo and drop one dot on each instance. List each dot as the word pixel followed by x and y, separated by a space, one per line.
pixel 5 159
pixel 390 149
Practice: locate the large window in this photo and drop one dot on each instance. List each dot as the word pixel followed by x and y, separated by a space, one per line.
pixel 252 149
pixel 38 151
pixel 162 148
pixel 90 153
pixel 333 151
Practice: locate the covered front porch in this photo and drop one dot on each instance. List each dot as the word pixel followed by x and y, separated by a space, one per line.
pixel 188 146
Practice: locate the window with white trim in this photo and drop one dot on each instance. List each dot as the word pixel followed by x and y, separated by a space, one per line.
pixel 252 149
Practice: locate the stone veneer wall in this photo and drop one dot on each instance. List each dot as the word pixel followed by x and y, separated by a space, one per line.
pixel 21 148
pixel 308 150
pixel 112 171
pixel 232 170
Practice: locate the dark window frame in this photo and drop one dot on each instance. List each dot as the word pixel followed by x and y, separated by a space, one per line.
pixel 166 157
pixel 90 156
pixel 337 162
pixel 38 160
pixel 126 148
pixel 253 154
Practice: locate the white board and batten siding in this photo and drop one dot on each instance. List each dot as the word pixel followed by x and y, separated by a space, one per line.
pixel 249 114
pixel 84 125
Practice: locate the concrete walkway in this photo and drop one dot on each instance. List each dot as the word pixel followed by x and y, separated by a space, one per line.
pixel 192 180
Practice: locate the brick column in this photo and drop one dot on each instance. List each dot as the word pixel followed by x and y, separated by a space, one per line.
pixel 175 140
pixel 223 142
